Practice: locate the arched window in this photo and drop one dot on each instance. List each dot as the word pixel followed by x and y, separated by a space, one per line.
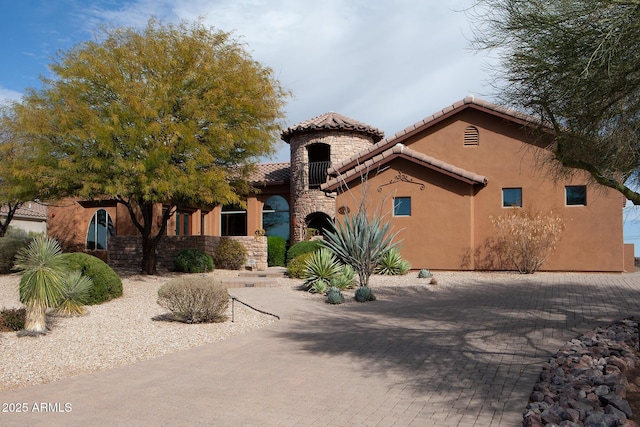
pixel 100 229
pixel 471 136
pixel 275 217
pixel 319 162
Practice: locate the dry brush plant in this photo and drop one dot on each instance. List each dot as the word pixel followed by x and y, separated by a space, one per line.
pixel 194 299
pixel 527 237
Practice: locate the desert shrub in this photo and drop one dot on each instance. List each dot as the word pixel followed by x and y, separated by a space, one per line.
pixel 303 247
pixel 229 255
pixel 193 261
pixel 297 266
pixel 345 279
pixel 106 283
pixel 75 291
pixel 194 299
pixel 9 247
pixel 364 294
pixel 321 268
pixel 276 250
pixel 334 296
pixel 527 237
pixel 392 264
pixel 425 274
pixel 12 319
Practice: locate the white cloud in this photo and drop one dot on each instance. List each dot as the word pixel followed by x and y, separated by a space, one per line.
pixel 9 95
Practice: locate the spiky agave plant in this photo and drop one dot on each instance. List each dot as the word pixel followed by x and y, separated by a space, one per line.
pixel 75 291
pixel 321 268
pixel 392 264
pixel 41 282
pixel 361 241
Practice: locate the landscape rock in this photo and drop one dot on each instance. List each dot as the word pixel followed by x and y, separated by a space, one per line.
pixel 584 384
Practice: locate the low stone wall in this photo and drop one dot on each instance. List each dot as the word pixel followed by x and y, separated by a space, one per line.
pixel 125 252
pixel 584 384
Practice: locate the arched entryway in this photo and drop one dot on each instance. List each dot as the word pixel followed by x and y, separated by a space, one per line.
pixel 317 223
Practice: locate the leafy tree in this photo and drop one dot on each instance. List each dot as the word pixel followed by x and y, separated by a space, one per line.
pixel 574 65
pixel 171 115
pixel 17 185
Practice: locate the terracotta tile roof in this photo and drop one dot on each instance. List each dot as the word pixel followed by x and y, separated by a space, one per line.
pixel 332 121
pixel 468 102
pixel 402 151
pixel 271 173
pixel 30 210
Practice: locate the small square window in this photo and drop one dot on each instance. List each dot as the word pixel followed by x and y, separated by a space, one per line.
pixel 576 195
pixel 512 197
pixel 402 206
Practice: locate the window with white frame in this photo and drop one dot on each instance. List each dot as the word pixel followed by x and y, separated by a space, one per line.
pixel 402 206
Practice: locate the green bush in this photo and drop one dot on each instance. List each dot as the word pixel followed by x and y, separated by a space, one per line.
pixel 229 255
pixel 12 319
pixel 297 266
pixel 276 249
pixel 303 247
pixel 392 264
pixel 106 283
pixel 194 299
pixel 193 261
pixel 9 247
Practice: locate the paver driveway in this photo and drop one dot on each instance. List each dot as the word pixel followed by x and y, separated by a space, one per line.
pixel 463 355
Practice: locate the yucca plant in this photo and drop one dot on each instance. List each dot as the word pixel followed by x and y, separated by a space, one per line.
pixel 392 264
pixel 75 292
pixel 41 284
pixel 360 241
pixel 321 268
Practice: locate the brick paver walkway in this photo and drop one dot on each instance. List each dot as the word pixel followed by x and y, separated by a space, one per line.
pixel 466 355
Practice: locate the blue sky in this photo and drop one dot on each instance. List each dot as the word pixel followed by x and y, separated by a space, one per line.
pixel 388 63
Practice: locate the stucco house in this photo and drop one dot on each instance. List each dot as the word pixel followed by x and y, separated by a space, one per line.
pixel 30 218
pixel 440 181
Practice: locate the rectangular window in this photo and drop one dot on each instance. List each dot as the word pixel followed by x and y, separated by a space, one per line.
pixel 576 195
pixel 182 224
pixel 512 197
pixel 402 206
pixel 233 221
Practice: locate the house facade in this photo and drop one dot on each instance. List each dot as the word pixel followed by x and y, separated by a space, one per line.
pixel 440 182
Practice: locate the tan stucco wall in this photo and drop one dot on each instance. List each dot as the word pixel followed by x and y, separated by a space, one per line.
pixel 449 228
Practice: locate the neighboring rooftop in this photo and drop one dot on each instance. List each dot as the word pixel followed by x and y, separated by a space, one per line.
pixel 29 211
pixel 271 173
pixel 332 121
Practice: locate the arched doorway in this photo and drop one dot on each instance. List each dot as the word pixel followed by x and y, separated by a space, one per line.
pixel 317 223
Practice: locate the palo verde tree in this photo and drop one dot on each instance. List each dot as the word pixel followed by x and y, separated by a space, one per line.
pixel 168 115
pixel 574 65
pixel 17 183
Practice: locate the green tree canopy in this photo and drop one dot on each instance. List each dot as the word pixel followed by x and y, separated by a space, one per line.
pixel 17 185
pixel 175 115
pixel 576 66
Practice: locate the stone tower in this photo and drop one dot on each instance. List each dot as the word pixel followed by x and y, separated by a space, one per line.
pixel 316 145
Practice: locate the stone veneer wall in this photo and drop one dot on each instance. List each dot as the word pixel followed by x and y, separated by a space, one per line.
pixel 344 144
pixel 125 252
